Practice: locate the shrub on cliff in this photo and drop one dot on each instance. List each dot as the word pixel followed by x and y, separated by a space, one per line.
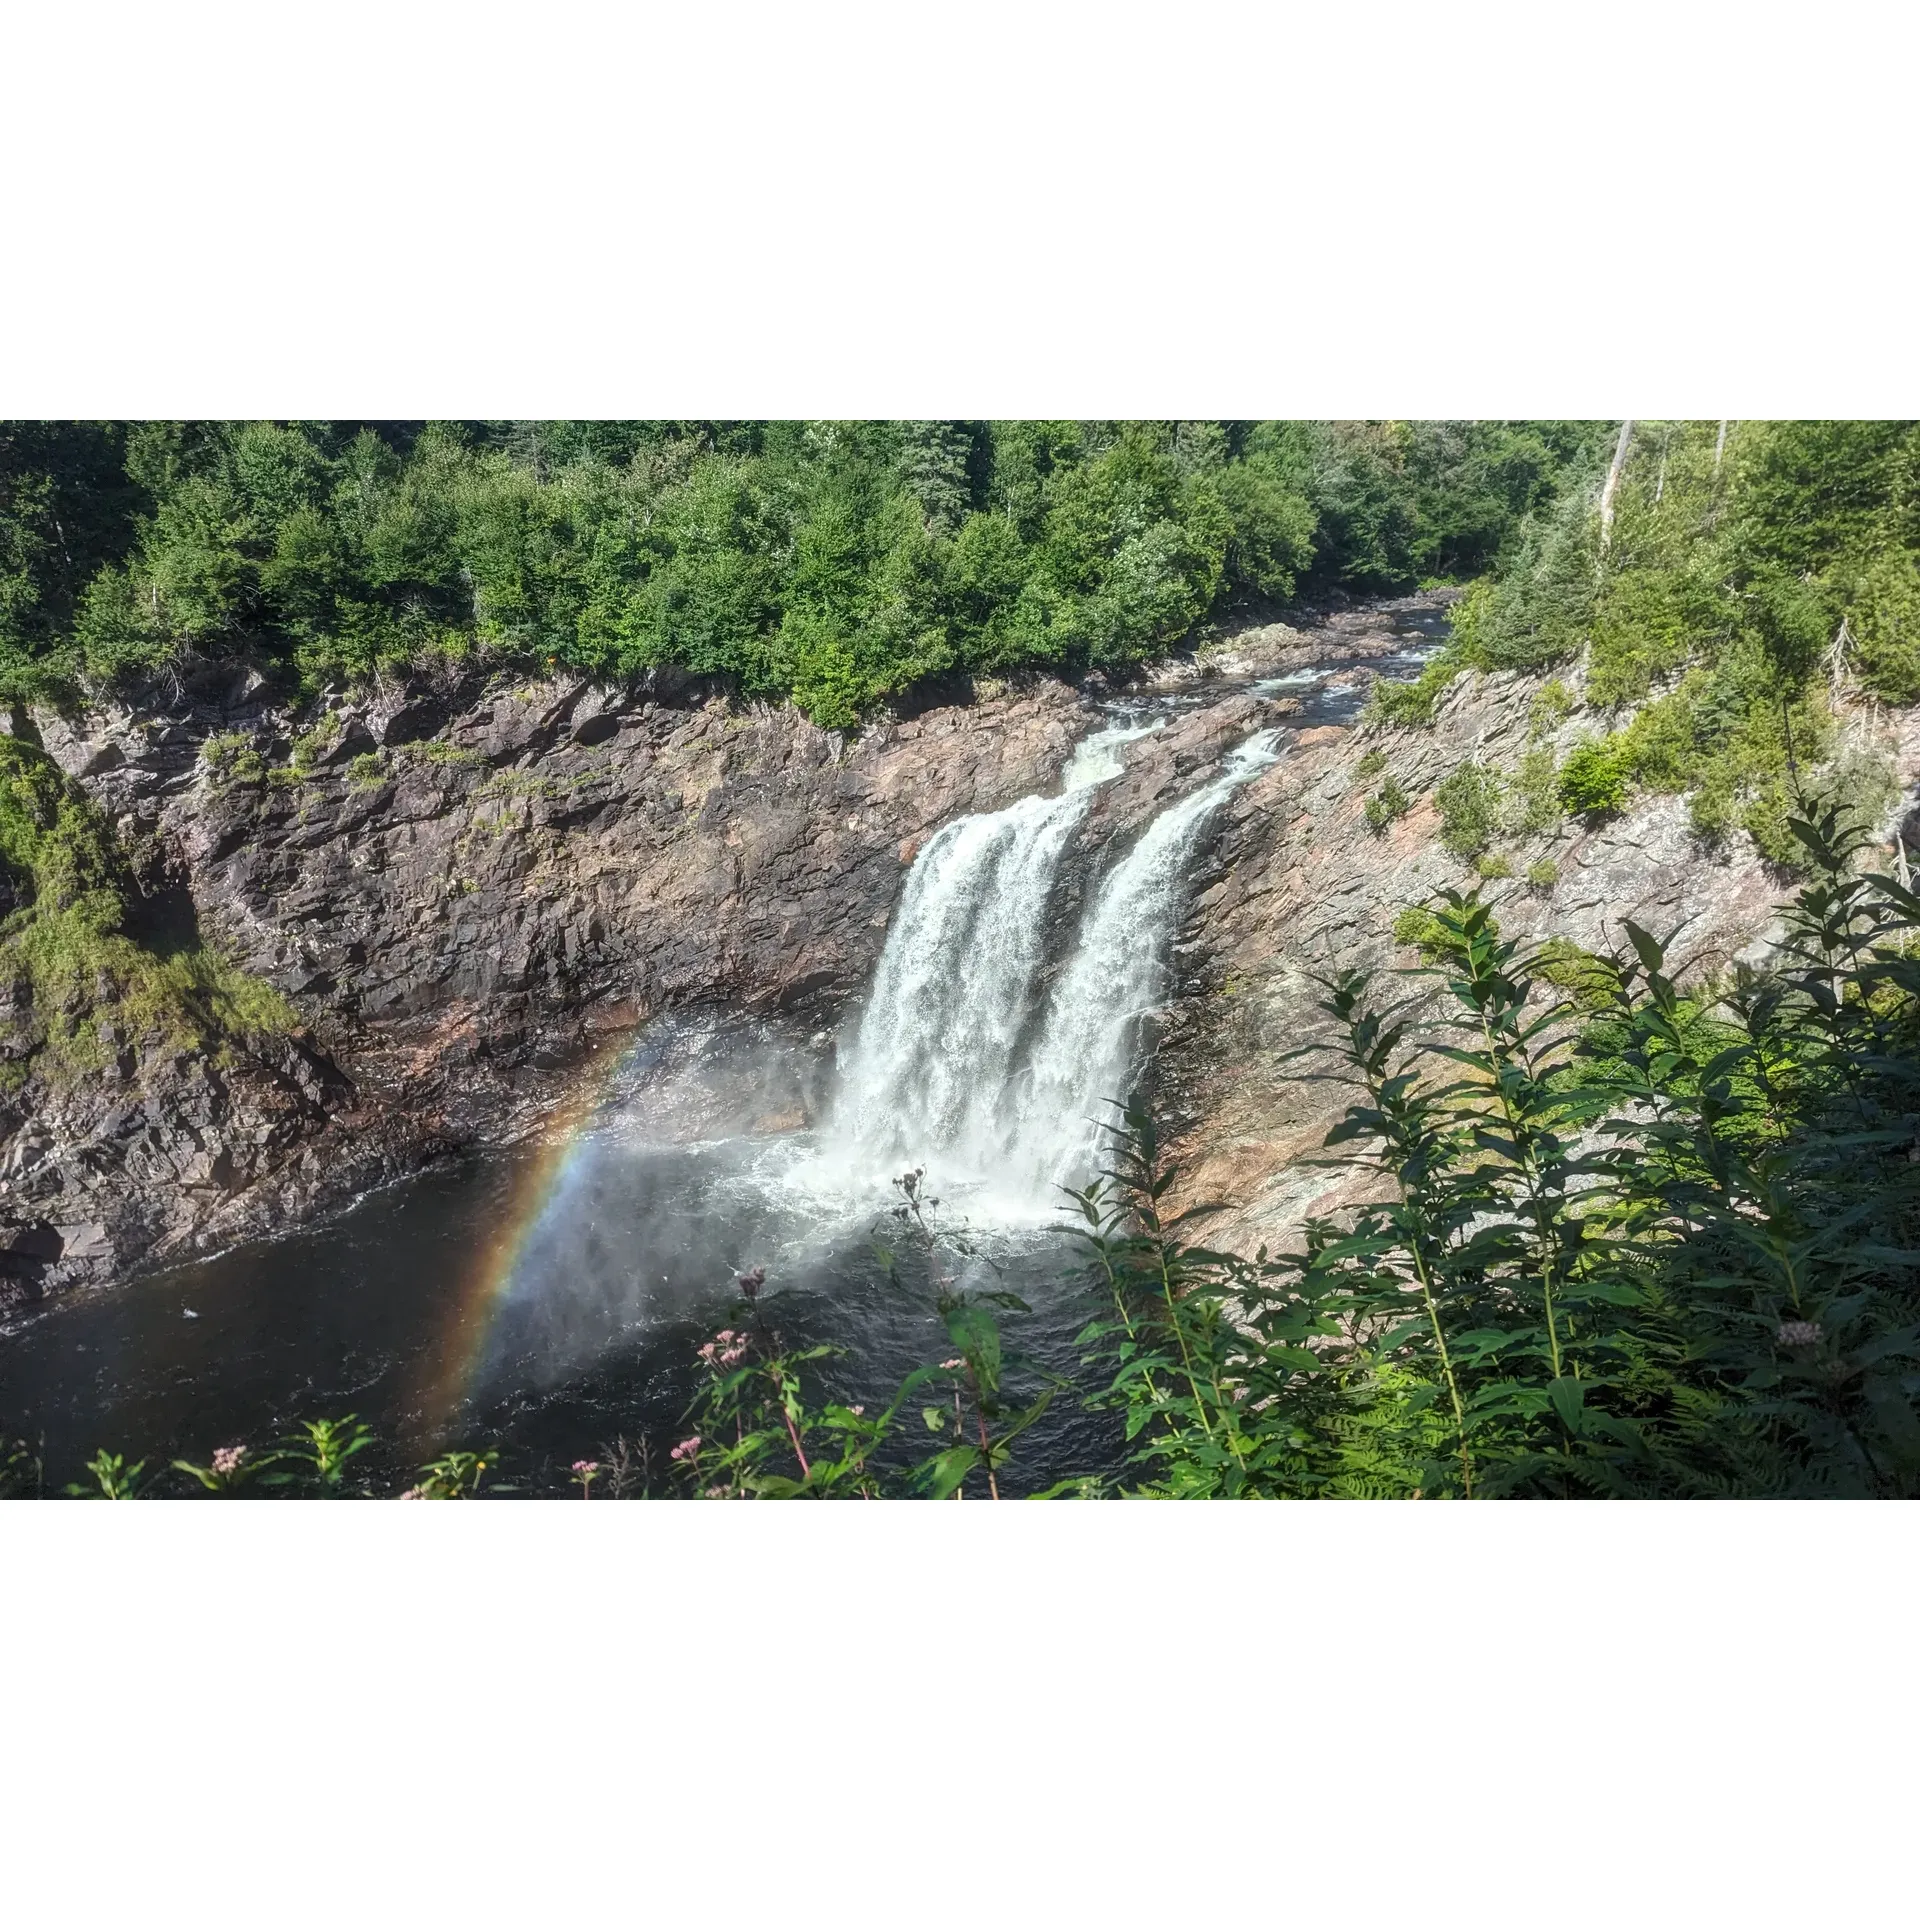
pixel 1470 802
pixel 1411 703
pixel 1594 778
pixel 1386 806
pixel 71 953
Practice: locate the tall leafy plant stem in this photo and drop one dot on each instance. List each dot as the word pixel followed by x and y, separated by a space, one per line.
pixel 1154 1388
pixel 986 1445
pixel 799 1452
pixel 1446 1363
pixel 1521 1131
pixel 779 1386
pixel 1372 1057
pixel 1377 1088
pixel 1150 1215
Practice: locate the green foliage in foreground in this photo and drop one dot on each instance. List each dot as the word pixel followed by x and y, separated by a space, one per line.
pixel 1624 1241
pixel 836 563
pixel 1755 577
pixel 1656 1247
pixel 82 977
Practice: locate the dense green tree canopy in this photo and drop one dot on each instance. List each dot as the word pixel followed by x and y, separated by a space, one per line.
pixel 831 562
pixel 1757 585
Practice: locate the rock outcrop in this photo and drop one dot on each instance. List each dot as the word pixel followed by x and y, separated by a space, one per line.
pixel 1300 884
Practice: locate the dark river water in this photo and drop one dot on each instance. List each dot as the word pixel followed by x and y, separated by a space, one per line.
pixel 549 1300
pixel 547 1303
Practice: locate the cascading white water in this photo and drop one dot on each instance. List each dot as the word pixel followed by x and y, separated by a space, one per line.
pixel 934 1075
pixel 1089 1047
pixel 929 1069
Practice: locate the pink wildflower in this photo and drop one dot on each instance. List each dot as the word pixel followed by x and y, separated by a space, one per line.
pixel 689 1448
pixel 413 1493
pixel 226 1460
pixel 949 1365
pixel 725 1349
pixel 856 1411
pixel 586 1466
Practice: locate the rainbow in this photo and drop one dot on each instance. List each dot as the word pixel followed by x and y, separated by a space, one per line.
pixel 542 1185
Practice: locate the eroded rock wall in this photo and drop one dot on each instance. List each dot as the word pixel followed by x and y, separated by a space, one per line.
pixel 1300 885
pixel 460 896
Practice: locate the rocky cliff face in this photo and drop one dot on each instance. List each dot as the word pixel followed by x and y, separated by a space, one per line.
pixel 460 896
pixel 1300 884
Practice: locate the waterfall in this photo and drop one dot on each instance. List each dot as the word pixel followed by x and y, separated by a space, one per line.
pixel 945 1069
pixel 1089 1048
pixel 929 1068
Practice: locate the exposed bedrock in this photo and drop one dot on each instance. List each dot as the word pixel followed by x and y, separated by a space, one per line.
pixel 460 898
pixel 1297 884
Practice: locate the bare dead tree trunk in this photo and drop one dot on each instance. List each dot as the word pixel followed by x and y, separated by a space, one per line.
pixel 1613 482
pixel 1660 485
pixel 1839 663
pixel 1719 446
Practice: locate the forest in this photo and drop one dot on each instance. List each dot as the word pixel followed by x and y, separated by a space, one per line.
pixel 1728 585
pixel 836 564
pixel 1721 579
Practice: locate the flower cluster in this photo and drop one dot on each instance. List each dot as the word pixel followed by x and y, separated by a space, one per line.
pixel 689 1449
pixel 1798 1333
pixel 726 1349
pixel 226 1461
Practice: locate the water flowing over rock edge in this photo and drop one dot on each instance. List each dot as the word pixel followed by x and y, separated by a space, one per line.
pixel 975 1057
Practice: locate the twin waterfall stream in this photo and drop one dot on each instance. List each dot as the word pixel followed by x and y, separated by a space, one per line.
pixel 969 1060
